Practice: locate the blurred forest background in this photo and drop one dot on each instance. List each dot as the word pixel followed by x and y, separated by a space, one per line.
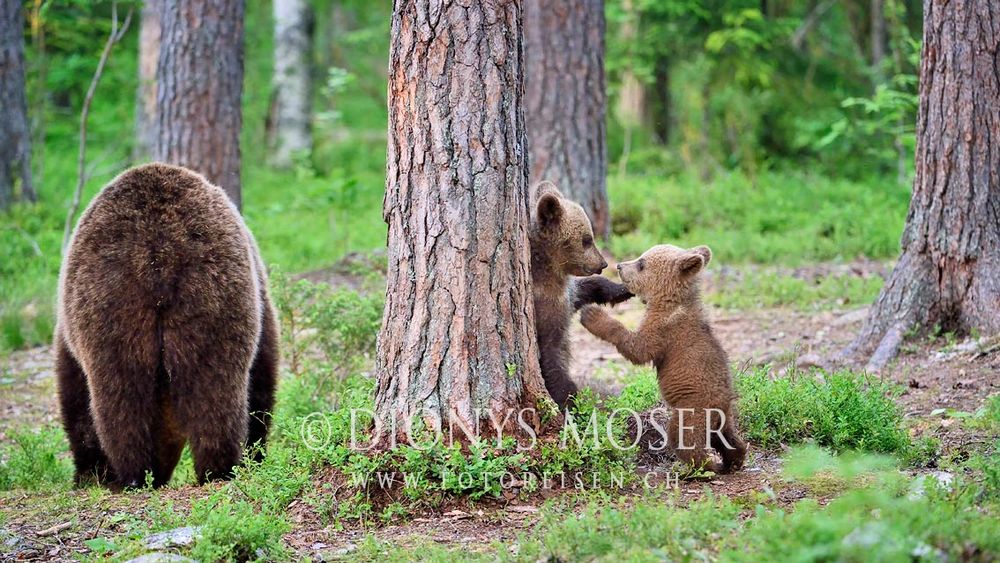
pixel 778 131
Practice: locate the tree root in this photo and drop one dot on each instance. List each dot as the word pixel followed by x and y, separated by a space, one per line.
pixel 887 348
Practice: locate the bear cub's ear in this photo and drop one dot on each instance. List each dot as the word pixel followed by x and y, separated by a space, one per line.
pixel 549 210
pixel 695 259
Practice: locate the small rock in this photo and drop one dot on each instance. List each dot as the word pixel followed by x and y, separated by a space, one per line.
pixel 178 537
pixel 851 318
pixel 159 557
pixel 349 548
pixel 919 486
pixel 10 540
pixel 809 361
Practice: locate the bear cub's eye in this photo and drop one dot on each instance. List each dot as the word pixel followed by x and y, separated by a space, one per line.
pixel 642 264
pixel 588 241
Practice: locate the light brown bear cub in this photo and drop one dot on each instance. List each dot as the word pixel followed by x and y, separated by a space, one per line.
pixel 692 368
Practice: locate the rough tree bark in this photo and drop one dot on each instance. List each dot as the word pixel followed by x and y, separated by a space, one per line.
pixel 949 270
pixel 199 83
pixel 15 134
pixel 565 101
pixel 457 344
pixel 145 96
pixel 289 124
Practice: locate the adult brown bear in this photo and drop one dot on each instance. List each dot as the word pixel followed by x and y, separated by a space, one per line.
pixel 165 331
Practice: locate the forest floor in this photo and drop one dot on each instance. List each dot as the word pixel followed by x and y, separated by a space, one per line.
pixel 939 376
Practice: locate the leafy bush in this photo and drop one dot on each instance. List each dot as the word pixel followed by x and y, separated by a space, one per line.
pixel 841 410
pixel 35 459
pixel 236 531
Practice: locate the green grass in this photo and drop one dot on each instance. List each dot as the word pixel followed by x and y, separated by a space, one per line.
pixel 876 515
pixel 841 410
pixel 754 289
pixel 780 217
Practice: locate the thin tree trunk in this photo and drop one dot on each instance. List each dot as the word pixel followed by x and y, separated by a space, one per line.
pixel 457 344
pixel 566 103
pixel 289 122
pixel 199 83
pixel 662 110
pixel 145 98
pixel 15 133
pixel 949 270
pixel 878 39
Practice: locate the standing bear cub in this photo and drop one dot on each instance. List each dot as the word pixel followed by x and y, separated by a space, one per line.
pixel 562 247
pixel 692 368
pixel 165 331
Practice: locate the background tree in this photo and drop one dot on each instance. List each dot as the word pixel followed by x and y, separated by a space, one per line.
pixel 457 343
pixel 565 101
pixel 199 85
pixel 289 120
pixel 949 270
pixel 15 134
pixel 145 98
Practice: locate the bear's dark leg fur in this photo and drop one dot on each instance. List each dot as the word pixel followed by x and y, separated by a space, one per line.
pixel 216 373
pixel 598 290
pixel 74 399
pixel 263 380
pixel 126 409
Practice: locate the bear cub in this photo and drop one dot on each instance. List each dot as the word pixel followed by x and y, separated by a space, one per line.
pixel 692 368
pixel 165 332
pixel 562 248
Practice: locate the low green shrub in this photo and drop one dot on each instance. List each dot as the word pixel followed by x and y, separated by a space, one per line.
pixel 35 459
pixel 840 410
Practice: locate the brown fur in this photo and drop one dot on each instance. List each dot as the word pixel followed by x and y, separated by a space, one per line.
pixel 692 368
pixel 165 331
pixel 562 246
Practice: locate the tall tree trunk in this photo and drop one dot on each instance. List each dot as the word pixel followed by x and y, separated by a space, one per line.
pixel 145 98
pixel 566 102
pixel 289 122
pixel 199 83
pixel 949 271
pixel 457 344
pixel 15 134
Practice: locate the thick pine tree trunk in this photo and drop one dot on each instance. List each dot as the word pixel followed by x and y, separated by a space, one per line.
pixel 457 344
pixel 289 127
pixel 949 271
pixel 15 135
pixel 145 97
pixel 565 101
pixel 199 83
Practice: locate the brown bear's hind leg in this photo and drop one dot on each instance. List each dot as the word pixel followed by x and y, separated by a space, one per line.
pixel 689 443
pixel 732 458
pixel 74 401
pixel 126 413
pixel 263 380
pixel 208 390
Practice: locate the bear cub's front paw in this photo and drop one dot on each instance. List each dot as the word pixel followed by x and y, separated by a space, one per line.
pixel 592 316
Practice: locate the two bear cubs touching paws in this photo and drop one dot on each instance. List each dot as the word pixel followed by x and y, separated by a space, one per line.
pixel 692 368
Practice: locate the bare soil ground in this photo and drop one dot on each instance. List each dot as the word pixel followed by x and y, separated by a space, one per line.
pixel 936 374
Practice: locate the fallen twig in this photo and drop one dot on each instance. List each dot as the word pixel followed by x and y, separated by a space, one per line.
pixel 54 529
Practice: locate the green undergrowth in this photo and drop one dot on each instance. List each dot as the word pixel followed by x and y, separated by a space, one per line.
pixel 778 217
pixel 873 513
pixel 755 289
